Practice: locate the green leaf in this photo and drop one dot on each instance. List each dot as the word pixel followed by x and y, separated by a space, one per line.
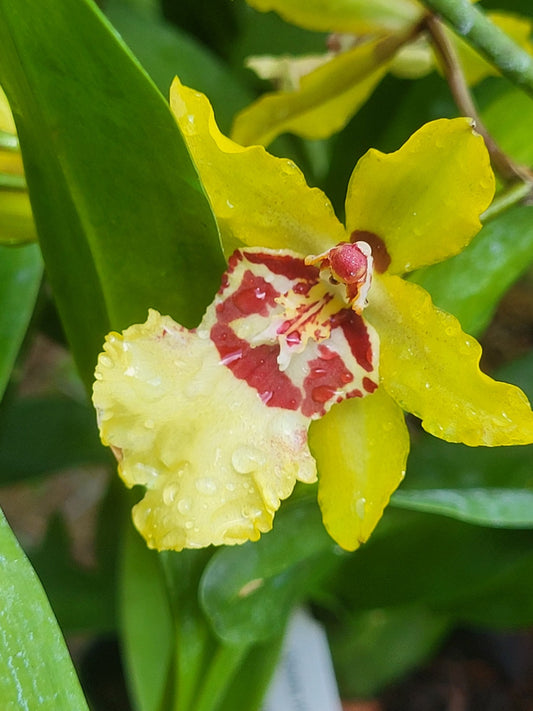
pixel 165 51
pixel 248 591
pixel 83 600
pixel 36 671
pixel 20 277
pixel 471 284
pixel 123 221
pixel 147 623
pixel 490 487
pixel 451 565
pixel 40 436
pixel 373 648
pixel 506 507
pixel 249 686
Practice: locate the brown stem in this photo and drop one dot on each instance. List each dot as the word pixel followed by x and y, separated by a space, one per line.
pixel 503 164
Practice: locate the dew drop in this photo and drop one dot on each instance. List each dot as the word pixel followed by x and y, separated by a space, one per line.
pixel 169 494
pixel 360 506
pixel 149 424
pixel 184 506
pixel 247 459
pixel 106 361
pixel 188 525
pixel 206 486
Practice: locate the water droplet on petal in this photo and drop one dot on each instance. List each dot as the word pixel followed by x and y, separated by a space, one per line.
pixel 206 486
pixel 360 506
pixel 247 459
pixel 184 506
pixel 169 493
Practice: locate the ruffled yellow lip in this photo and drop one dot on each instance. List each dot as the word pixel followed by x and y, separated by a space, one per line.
pixel 213 422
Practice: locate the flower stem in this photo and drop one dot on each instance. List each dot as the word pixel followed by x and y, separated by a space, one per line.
pixel 514 195
pixel 503 164
pixel 500 50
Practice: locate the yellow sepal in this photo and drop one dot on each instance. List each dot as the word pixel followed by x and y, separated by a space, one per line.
pixel 431 368
pixel 361 449
pixel 325 100
pixel 358 17
pixel 258 199
pixel 423 200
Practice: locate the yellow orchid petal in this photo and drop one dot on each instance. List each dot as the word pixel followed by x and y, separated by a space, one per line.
pixel 326 99
pixel 423 200
pixel 361 449
pixel 258 199
pixel 7 123
pixel 214 459
pixel 431 368
pixel 355 16
pixel 16 218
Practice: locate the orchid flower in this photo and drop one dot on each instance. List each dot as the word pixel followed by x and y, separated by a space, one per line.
pixel 318 94
pixel 312 348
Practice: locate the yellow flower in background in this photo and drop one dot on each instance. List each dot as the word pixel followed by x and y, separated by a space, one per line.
pixel 319 94
pixel 16 217
pixel 214 421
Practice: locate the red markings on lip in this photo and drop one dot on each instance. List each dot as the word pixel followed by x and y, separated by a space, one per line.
pixel 356 334
pixel 369 385
pixel 257 366
pixel 328 375
pixel 285 265
pixel 254 296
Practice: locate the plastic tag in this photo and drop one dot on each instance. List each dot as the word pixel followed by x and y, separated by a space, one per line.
pixel 304 679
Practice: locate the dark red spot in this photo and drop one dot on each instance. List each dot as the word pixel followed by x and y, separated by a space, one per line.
pixel 255 295
pixel 302 287
pixel 369 385
pixel 355 332
pixel 234 259
pixel 327 377
pixel 293 268
pixel 380 253
pixel 256 366
pixel 322 393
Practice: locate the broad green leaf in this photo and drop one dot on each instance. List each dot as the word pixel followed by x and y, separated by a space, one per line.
pixel 40 436
pixel 252 680
pixel 248 591
pixel 147 623
pixel 375 647
pixel 165 51
pixel 35 668
pixel 20 277
pixel 506 507
pixel 471 284
pixel 83 600
pixel 196 648
pixel 122 218
pixel 450 564
pixel 508 119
